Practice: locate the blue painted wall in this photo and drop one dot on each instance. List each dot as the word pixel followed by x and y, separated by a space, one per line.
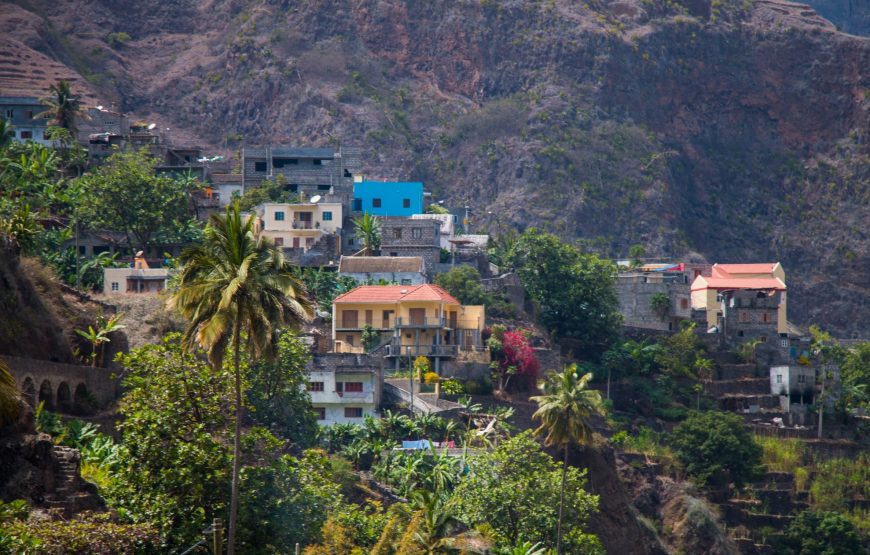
pixel 393 195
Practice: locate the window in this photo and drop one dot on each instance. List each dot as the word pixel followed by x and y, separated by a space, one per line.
pixel 802 379
pixel 279 241
pixel 353 387
pixel 369 317
pixel 10 113
pixel 406 203
pixel 317 162
pixel 114 286
pixel 315 386
pixel 744 316
pixel 765 317
pixel 279 216
pixel 684 304
pixel 309 242
pixel 259 166
pixel 417 233
pixel 353 412
pixel 376 203
pixel 28 114
pixel 784 343
pixel 293 188
pixel 763 338
pixel 349 340
pixel 26 134
pixel 327 216
pixel 394 254
pixel 357 205
pixel 323 187
pixel 397 233
pixel 320 412
pixel 349 319
pixel 779 378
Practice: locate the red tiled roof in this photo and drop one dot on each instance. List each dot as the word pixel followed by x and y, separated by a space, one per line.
pixel 396 293
pixel 725 270
pixel 740 283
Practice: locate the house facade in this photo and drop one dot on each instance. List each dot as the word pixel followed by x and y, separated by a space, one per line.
pixel 448 226
pixel 308 171
pixel 411 321
pixel 409 237
pixel 21 112
pixel 299 226
pixel 345 387
pixel 399 270
pixel 140 279
pixel 388 198
pixel 707 291
pixel 639 290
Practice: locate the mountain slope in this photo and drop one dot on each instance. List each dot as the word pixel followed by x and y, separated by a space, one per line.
pixel 737 130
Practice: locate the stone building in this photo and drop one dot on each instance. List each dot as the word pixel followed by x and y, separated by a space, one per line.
pixel 400 270
pixel 655 296
pixel 407 237
pixel 308 171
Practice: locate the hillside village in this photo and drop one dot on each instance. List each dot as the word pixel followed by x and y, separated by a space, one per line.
pixel 417 334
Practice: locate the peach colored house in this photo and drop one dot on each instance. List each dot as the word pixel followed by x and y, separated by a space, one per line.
pixel 766 276
pixel 412 320
pixel 299 225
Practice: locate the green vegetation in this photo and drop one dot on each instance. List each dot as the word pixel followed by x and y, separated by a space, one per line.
pixel 232 284
pixel 575 291
pixel 463 282
pixel 9 398
pixel 823 533
pixel 565 410
pixel 715 448
pixel 125 195
pixel 368 232
pixel 119 38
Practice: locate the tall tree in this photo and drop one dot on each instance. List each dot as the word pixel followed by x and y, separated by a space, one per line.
pixel 576 292
pixel 368 230
pixel 62 106
pixel 235 283
pixel 565 410
pixel 125 195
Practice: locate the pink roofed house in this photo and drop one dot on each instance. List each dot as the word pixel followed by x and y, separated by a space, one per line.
pixel 763 277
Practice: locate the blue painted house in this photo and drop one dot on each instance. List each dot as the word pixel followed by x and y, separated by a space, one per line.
pixel 388 198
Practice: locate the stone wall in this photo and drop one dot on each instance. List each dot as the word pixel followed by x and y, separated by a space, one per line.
pixel 635 295
pixel 63 387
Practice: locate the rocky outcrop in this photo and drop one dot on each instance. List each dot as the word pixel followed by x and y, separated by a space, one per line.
pixel 46 475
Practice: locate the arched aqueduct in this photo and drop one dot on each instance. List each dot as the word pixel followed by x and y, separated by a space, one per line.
pixel 66 397
pixel 66 388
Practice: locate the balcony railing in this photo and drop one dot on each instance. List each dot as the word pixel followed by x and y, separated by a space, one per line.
pixel 300 224
pixel 377 325
pixel 440 351
pixel 347 397
pixel 421 322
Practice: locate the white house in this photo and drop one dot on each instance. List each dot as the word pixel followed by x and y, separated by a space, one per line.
pixel 345 388
pixel 299 225
pixel 138 280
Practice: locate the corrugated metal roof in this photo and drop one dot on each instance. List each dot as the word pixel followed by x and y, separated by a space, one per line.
pixel 379 264
pixel 396 293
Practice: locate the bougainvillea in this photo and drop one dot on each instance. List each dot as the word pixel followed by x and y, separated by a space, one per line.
pixel 515 358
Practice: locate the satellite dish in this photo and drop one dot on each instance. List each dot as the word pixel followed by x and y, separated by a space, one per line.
pixel 315 199
pixel 99 107
pixel 152 126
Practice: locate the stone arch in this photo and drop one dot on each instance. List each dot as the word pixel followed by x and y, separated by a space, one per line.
pixel 46 395
pixel 82 399
pixel 64 397
pixel 28 391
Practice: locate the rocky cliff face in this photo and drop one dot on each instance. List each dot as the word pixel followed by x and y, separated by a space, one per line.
pixel 737 130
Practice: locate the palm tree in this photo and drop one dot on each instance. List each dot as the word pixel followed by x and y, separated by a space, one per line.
pixel 100 336
pixel 9 398
pixel 63 106
pixel 234 282
pixel 565 410
pixel 368 230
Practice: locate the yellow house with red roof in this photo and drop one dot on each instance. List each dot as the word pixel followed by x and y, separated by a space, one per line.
pixel 765 276
pixel 412 321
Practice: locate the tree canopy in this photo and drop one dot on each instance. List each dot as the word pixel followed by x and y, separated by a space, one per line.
pixel 575 291
pixel 125 195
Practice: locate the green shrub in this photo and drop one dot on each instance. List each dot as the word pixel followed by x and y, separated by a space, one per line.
pixel 117 39
pixel 451 387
